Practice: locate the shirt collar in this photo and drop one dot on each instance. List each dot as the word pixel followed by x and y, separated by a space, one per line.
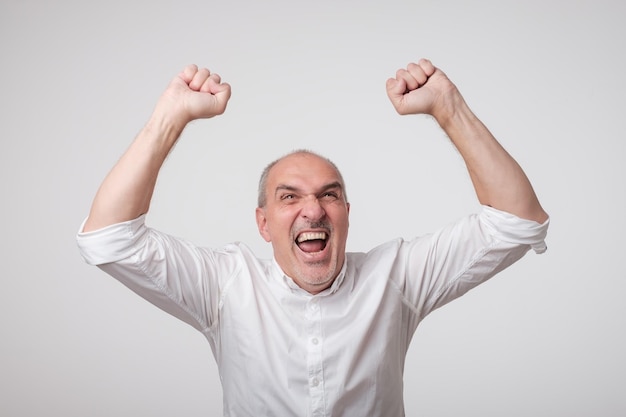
pixel 293 287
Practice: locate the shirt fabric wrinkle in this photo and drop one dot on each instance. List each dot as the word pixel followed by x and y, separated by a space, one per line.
pixel 462 272
pixel 282 351
pixel 203 325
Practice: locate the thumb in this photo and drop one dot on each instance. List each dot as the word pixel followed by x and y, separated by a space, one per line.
pixel 395 91
pixel 395 86
pixel 221 92
pixel 220 89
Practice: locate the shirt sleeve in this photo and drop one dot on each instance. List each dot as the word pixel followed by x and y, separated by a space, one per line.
pixel 447 264
pixel 173 274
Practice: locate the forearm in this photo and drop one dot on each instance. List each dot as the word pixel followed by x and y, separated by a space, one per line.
pixel 127 190
pixel 498 179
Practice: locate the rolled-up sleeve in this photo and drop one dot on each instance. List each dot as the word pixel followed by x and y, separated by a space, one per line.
pixel 509 228
pixel 112 243
pixel 442 266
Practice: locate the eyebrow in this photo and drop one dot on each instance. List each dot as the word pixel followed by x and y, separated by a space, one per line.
pixel 287 187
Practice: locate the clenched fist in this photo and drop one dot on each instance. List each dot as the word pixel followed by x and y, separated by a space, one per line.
pixel 195 93
pixel 422 88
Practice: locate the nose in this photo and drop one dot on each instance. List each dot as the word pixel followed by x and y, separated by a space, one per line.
pixel 312 209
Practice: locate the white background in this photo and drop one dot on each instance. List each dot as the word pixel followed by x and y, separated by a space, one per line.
pixel 79 78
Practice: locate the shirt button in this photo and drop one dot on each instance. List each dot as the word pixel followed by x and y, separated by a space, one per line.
pixel 315 382
pixel 315 341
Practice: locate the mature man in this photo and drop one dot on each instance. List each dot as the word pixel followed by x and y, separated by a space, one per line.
pixel 315 331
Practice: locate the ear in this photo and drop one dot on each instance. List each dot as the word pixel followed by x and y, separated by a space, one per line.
pixel 261 223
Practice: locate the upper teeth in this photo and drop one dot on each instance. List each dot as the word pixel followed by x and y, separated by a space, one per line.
pixel 311 236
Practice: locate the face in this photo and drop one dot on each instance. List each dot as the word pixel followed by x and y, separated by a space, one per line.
pixel 306 220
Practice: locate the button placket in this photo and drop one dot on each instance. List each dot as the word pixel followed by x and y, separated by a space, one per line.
pixel 314 357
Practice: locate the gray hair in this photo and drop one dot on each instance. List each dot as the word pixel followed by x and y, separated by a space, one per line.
pixel 262 196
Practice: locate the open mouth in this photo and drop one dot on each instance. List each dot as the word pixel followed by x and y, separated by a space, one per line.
pixel 312 242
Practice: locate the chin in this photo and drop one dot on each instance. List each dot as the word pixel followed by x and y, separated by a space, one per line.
pixel 318 279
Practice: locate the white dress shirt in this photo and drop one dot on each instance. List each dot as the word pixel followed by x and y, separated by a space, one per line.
pixel 284 352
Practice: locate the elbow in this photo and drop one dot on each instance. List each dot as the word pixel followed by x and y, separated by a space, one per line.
pixel 535 213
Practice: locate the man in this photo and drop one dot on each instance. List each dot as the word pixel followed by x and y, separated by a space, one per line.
pixel 316 331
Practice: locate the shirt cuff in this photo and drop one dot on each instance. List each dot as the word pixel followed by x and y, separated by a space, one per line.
pixel 111 243
pixel 510 228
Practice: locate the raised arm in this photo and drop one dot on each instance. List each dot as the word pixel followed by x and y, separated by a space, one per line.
pixel 499 181
pixel 127 190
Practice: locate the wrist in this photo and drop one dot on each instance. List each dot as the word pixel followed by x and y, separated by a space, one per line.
pixel 163 131
pixel 454 111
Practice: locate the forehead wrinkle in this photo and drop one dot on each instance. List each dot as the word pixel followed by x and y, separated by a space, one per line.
pixel 334 184
pixel 287 187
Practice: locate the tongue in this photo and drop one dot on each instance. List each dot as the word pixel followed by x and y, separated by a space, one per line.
pixel 312 246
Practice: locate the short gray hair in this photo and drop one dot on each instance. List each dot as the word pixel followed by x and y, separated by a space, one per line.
pixel 262 196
